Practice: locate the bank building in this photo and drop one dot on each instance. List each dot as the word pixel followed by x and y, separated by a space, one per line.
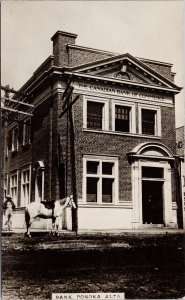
pixel 102 128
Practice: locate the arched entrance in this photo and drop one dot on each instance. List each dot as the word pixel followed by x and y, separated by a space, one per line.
pixel 151 185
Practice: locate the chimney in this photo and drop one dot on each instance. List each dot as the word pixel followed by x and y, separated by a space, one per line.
pixel 60 40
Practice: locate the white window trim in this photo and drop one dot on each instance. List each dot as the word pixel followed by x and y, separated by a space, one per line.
pixel 13 137
pixel 114 176
pixel 11 175
pixel 132 115
pixel 24 133
pixel 23 170
pixel 105 121
pixel 157 118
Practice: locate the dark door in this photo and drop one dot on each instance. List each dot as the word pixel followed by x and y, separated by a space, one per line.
pixel 152 202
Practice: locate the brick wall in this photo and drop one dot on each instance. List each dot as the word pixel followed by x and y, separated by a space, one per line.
pixel 180 141
pixel 119 145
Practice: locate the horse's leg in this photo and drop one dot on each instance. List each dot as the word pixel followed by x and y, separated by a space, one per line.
pixel 53 226
pixel 29 220
pixel 57 225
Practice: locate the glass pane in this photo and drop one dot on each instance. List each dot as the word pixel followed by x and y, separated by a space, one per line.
pixel 148 121
pixel 152 172
pixel 122 118
pixel 107 168
pixel 24 176
pixel 94 115
pixel 107 190
pixel 27 175
pixel 92 189
pixel 122 112
pixel 92 167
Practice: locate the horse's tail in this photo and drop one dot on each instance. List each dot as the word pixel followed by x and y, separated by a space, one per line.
pixel 27 218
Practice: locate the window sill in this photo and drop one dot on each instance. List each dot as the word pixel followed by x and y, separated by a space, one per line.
pixel 100 205
pixel 20 208
pixel 122 133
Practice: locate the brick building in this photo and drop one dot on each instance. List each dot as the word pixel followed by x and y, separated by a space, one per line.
pixel 180 150
pixel 123 148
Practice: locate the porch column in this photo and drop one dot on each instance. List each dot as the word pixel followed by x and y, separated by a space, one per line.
pixel 168 217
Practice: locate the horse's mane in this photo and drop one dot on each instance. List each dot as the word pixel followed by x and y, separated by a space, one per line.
pixel 48 204
pixel 62 201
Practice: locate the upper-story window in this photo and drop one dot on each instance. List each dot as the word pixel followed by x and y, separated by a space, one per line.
pixel 149 120
pixel 96 114
pixel 15 139
pixel 123 117
pixel 27 132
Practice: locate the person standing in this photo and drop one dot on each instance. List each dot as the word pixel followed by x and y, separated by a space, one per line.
pixel 8 208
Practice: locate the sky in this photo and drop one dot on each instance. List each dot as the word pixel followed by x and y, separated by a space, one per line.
pixel 146 29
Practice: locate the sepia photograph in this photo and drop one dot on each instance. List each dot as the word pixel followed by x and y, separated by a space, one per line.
pixel 92 150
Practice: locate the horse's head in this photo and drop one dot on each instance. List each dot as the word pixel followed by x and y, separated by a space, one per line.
pixel 71 202
pixel 62 203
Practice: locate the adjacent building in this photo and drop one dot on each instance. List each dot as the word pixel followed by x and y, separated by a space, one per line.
pixel 180 150
pixel 103 129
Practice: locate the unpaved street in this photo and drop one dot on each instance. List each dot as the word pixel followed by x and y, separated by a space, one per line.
pixel 141 266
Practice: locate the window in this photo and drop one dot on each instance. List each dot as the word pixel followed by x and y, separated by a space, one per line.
pixel 100 185
pixel 14 187
pixel 15 139
pixel 27 132
pixel 122 118
pixel 95 114
pixel 25 187
pixel 152 172
pixel 5 185
pixel 6 145
pixel 149 120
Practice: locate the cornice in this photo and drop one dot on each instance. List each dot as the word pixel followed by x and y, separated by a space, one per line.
pixel 122 82
pixel 132 60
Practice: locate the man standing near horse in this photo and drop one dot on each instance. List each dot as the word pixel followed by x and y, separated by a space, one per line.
pixel 8 208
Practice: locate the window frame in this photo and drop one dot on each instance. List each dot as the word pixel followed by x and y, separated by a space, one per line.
pixel 22 201
pixel 105 112
pixel 6 184
pixel 12 174
pixel 100 176
pixel 132 116
pixel 27 123
pixel 13 130
pixel 157 129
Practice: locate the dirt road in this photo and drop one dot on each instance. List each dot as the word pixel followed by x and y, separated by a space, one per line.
pixel 150 267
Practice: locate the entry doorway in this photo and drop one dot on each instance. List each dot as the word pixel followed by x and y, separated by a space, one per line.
pixel 152 202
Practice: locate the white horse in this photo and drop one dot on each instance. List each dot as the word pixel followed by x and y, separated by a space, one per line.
pixel 35 209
